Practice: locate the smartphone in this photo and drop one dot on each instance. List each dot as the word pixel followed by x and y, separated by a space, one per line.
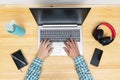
pixel 96 57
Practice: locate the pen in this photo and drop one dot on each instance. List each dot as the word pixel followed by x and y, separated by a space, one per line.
pixel 18 60
pixel 21 70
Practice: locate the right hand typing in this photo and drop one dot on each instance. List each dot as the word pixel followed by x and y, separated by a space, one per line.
pixel 71 48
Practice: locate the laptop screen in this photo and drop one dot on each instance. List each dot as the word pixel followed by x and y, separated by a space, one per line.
pixel 59 15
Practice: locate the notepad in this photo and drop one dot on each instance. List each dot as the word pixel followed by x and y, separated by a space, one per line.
pixel 19 59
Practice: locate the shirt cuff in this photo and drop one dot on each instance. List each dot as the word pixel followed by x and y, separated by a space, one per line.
pixel 78 59
pixel 37 61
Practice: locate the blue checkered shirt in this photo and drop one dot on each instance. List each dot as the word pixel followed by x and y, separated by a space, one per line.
pixel 81 67
pixel 34 70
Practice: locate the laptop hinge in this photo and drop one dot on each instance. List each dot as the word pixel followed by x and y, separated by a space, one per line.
pixel 59 26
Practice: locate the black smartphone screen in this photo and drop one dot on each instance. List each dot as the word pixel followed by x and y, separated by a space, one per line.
pixel 96 57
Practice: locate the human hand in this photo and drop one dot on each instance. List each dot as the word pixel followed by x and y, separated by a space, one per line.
pixel 45 49
pixel 71 48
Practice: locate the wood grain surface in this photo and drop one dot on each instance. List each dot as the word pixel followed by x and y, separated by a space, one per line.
pixel 59 67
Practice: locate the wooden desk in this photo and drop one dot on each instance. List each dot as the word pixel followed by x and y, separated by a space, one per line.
pixel 58 68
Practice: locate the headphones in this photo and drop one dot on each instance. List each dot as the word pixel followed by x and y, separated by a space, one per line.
pixel 98 34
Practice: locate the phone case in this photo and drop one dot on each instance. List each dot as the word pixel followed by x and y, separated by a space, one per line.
pixel 96 57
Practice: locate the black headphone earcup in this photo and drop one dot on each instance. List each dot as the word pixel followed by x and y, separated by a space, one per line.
pixel 98 34
pixel 105 40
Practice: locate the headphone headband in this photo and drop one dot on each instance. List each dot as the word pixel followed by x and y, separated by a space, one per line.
pixel 110 27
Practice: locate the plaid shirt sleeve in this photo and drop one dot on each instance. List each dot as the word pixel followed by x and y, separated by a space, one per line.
pixel 34 70
pixel 82 69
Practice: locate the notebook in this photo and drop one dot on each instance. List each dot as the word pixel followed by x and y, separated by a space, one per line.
pixel 19 59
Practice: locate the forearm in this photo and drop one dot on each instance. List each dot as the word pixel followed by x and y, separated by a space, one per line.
pixel 34 70
pixel 82 69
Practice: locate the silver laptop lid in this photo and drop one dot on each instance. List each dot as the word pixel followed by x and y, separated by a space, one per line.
pixel 54 16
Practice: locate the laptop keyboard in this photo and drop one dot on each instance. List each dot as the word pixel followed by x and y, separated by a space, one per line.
pixel 60 35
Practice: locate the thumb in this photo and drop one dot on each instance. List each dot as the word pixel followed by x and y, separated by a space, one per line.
pixel 50 51
pixel 66 50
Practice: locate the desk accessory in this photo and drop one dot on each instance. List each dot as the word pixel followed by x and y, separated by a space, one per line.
pixel 98 34
pixel 19 59
pixel 15 29
pixel 96 57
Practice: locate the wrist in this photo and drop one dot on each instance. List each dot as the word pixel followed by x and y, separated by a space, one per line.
pixel 40 57
pixel 75 57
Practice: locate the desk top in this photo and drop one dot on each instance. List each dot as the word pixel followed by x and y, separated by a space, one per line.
pixel 55 67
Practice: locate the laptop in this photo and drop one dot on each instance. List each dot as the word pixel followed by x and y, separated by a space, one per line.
pixel 60 24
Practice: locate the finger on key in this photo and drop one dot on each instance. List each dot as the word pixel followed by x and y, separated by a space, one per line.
pixel 67 45
pixel 73 44
pixel 47 42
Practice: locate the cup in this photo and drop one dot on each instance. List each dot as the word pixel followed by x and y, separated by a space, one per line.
pixel 15 29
